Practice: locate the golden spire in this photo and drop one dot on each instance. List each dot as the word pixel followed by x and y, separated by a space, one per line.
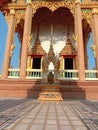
pixel 51 34
pixel 37 41
pixel 51 53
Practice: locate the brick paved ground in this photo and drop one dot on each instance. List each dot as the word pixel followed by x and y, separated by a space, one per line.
pixel 29 114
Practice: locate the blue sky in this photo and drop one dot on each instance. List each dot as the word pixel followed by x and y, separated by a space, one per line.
pixel 3 35
pixel 14 61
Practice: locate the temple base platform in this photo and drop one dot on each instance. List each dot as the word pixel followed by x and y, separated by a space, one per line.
pixel 50 92
pixel 14 88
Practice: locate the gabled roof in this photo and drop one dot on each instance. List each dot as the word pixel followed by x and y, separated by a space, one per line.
pixel 68 49
pixel 37 49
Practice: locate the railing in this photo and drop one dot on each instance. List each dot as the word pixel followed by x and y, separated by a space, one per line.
pixel 33 73
pixel 64 74
pixel 13 73
pixel 91 75
pixel 69 74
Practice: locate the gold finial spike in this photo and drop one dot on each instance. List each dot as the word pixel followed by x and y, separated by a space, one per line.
pixel 38 25
pixel 51 34
pixel 37 41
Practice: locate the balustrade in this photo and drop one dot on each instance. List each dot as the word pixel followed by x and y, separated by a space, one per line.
pixel 13 73
pixel 91 74
pixel 69 74
pixel 33 73
pixel 63 75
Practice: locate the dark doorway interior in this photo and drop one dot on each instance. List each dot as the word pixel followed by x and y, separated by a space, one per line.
pixel 68 63
pixel 36 63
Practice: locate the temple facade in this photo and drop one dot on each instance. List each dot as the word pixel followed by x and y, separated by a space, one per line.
pixel 64 25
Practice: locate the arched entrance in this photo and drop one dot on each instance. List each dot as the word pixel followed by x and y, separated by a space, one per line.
pixel 63 27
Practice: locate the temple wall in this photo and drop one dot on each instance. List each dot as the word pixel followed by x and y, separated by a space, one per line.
pixel 68 89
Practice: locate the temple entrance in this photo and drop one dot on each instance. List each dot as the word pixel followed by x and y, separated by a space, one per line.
pixel 68 63
pixel 50 83
pixel 36 63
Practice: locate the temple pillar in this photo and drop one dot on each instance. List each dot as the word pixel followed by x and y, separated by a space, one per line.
pixel 80 48
pixel 23 64
pixel 95 34
pixel 9 42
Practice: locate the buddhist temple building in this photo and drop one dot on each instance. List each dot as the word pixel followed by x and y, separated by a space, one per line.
pixel 59 30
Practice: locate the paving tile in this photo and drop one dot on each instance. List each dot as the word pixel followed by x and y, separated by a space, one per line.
pixel 80 128
pixel 51 122
pixel 79 123
pixel 64 122
pixel 22 114
pixel 40 117
pixel 39 121
pixel 51 127
pixel 66 128
pixel 36 127
pixel 21 127
pixel 74 118
pixel 63 117
pixel 26 120
pixel 30 116
pixel 51 117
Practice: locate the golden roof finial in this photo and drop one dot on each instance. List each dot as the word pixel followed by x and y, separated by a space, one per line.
pixel 51 34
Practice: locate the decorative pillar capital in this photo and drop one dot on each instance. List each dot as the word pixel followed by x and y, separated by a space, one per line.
pixel 95 11
pixel 12 12
pixel 93 47
pixel 28 2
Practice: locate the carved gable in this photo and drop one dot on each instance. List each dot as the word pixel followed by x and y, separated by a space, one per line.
pixel 68 49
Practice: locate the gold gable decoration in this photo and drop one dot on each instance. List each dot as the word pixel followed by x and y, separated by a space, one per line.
pixel 68 49
pixel 36 49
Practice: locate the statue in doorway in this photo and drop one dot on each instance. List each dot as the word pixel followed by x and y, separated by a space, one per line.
pixel 50 78
pixel 47 76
